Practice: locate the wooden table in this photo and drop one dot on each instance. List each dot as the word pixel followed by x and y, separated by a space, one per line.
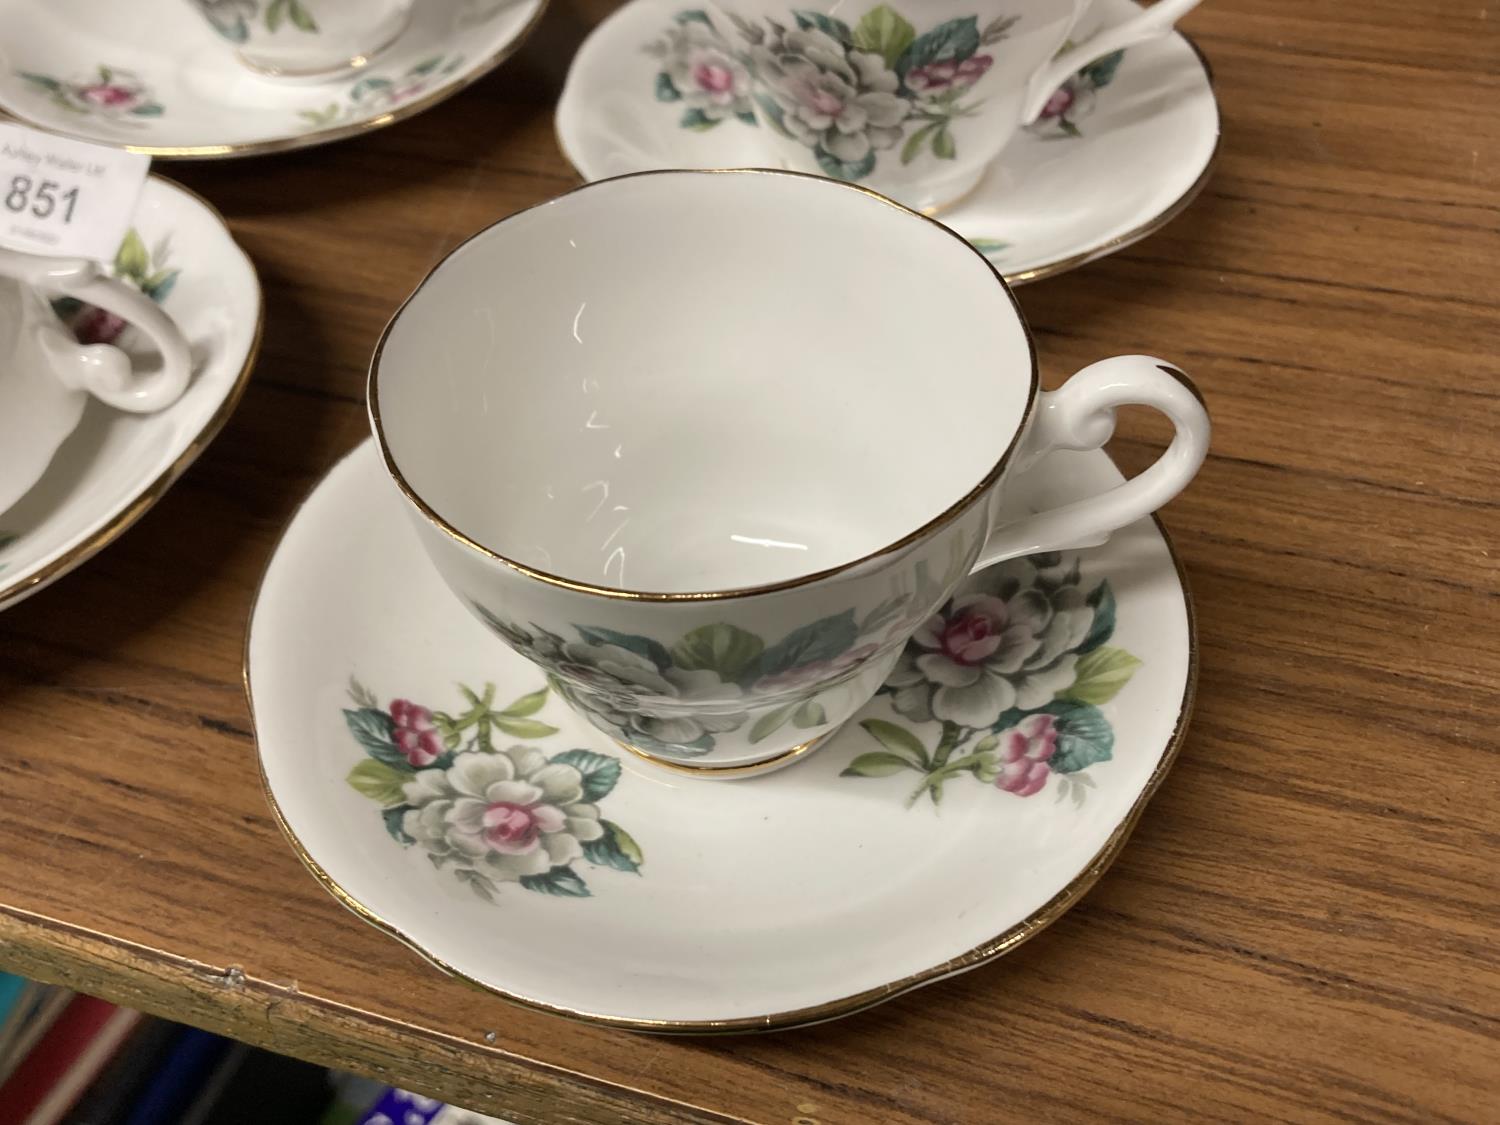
pixel 1307 923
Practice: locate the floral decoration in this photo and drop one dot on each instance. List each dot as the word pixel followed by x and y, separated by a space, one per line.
pixel 700 71
pixel 233 19
pixel 488 815
pixel 150 271
pixel 375 93
pixel 6 539
pixel 1075 98
pixel 111 93
pixel 1012 671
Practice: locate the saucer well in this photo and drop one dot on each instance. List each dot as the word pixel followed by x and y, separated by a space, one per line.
pixel 1125 147
pixel 115 465
pixel 431 781
pixel 153 77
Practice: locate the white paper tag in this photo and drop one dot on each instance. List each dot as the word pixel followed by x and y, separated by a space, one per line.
pixel 66 198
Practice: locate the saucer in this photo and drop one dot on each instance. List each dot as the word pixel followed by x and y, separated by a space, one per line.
pixel 114 465
pixel 153 77
pixel 1128 145
pixel 432 782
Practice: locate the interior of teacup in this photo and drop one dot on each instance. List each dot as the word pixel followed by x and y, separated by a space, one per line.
pixel 702 381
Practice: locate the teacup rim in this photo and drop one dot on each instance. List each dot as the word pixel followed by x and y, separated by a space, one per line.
pixel 932 525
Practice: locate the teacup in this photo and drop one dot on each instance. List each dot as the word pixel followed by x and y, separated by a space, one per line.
pixel 709 447
pixel 46 375
pixel 306 38
pixel 914 99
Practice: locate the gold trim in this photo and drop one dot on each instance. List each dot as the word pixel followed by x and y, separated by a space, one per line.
pixel 727 773
pixel 1083 258
pixel 1003 943
pixel 952 512
pixel 326 136
pixel 127 516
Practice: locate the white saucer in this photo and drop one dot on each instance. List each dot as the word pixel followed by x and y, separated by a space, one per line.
pixel 151 75
pixel 1129 157
pixel 680 905
pixel 114 466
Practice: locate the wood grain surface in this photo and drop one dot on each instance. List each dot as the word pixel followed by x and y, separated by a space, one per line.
pixel 1306 926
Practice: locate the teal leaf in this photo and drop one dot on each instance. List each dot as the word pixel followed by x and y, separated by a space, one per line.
pixel 368 86
pixel 809 715
pixel 150 109
pixel 877 763
pixel 373 729
pixel 884 32
pixel 600 771
pixel 723 648
pixel 527 705
pixel 46 82
pixel 897 739
pixel 1102 600
pixel 1099 675
pixel 160 284
pixel 913 144
pixel 425 67
pixel 827 25
pixel 849 171
pixel 747 116
pixel 392 818
pixel 653 651
pixel 955 40
pixel 771 722
pixel 523 728
pixel 665 90
pixel 693 15
pixel 1101 72
pixel 989 247
pixel 616 848
pixel 697 121
pixel 821 640
pixel 379 782
pixel 561 881
pixel 773 113
pixel 1084 735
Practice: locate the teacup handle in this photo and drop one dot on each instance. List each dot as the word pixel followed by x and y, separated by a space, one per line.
pixel 1156 20
pixel 1081 415
pixel 101 369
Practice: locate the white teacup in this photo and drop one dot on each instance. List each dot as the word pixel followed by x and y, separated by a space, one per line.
pixel 306 38
pixel 709 447
pixel 46 375
pixel 913 98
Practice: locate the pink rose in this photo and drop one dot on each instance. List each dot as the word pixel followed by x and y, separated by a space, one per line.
pixel 1059 103
pixel 94 325
pixel 105 94
pixel 415 736
pixel 515 829
pixel 1024 751
pixel 713 79
pixel 973 635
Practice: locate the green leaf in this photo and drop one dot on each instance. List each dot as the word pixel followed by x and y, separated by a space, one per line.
pixel 1101 72
pixel 898 739
pixel 372 728
pixel 150 109
pixel 773 113
pixel 726 649
pixel 747 116
pixel 275 13
pixel 160 284
pixel 877 763
pixel 653 651
pixel 317 118
pixel 821 640
pixel 826 24
pixel 914 142
pixel 614 849
pixel 1084 736
pixel 665 90
pixel 809 715
pixel 559 881
pixel 849 171
pixel 697 121
pixel 392 818
pixel 998 29
pixel 1099 676
pixel 523 728
pixel 379 782
pixel 1102 600
pixel 600 771
pixel 131 259
pixel 527 704
pixel 942 144
pixel 425 67
pixel 955 40
pixel 1069 128
pixel 44 81
pixel 884 32
pixel 693 15
pixel 771 722
pixel 301 17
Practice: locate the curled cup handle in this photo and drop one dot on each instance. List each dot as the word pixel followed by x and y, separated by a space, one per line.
pixel 1154 21
pixel 1081 415
pixel 101 369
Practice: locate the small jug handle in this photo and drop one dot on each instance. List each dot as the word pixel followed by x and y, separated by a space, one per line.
pixel 1081 415
pixel 1156 20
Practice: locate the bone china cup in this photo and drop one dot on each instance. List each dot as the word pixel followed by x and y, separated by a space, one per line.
pixel 46 376
pixel 913 98
pixel 709 447
pixel 306 38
